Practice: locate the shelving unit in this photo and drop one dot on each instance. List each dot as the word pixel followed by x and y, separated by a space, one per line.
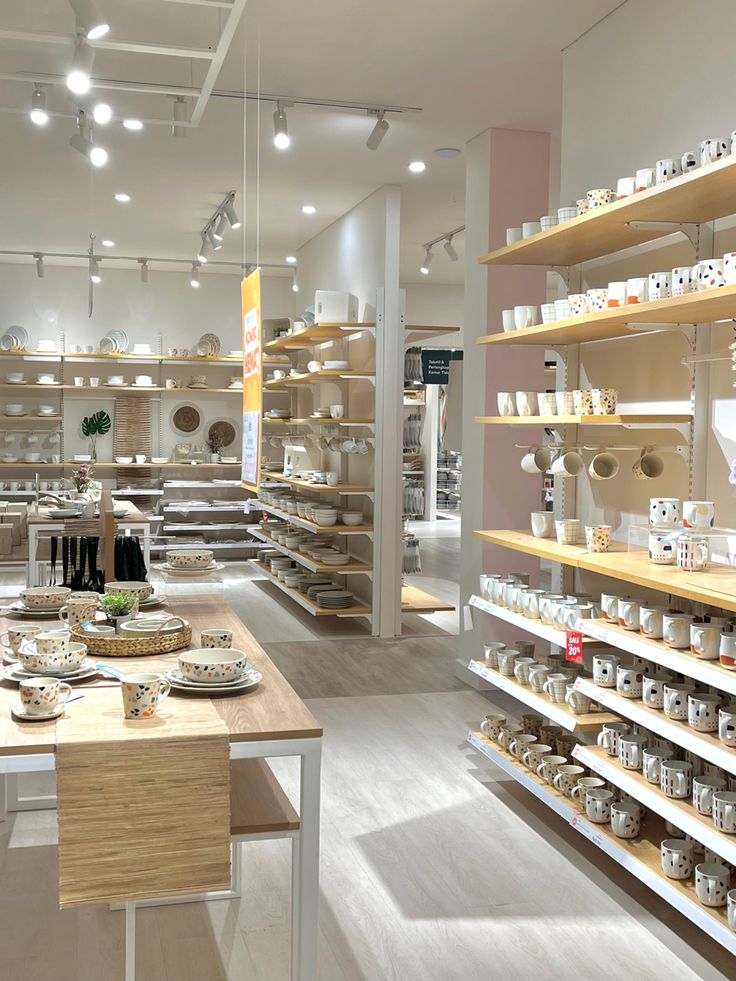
pixel 317 377
pixel 309 605
pixel 315 528
pixel 635 419
pixel 308 485
pixel 316 334
pixel 350 568
pixel 640 856
pixel 535 627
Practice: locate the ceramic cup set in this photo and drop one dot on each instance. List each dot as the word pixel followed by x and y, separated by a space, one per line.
pixel 712 877
pixel 678 533
pixel 543 749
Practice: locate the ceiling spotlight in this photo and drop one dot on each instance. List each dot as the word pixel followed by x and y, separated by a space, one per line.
pixel 78 79
pixel 90 21
pixel 219 231
pixel 308 209
pixel 450 249
pixel 417 166
pixel 39 116
pixel 424 268
pixel 82 141
pixel 210 233
pixel 291 258
pixel 194 278
pixel 295 286
pixel 232 216
pixel 447 152
pixel 102 113
pixel 379 130
pixel 94 270
pixel 144 269
pixel 108 243
pixel 122 197
pixel 40 270
pixel 134 124
pixel 98 156
pixel 281 138
pixel 203 250
pixel 181 115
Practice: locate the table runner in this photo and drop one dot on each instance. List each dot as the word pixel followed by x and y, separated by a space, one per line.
pixel 144 805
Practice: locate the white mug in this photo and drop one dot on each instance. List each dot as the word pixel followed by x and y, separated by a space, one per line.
pixel 513 235
pixel 652 759
pixel 729 268
pixel 537 460
pixel 676 630
pixel 727 652
pixel 703 789
pixel 508 319
pixel 676 778
pixel 506 403
pixel 699 515
pixel 659 286
pixel 567 464
pixel 675 700
pixel 567 530
pixel 629 681
pixel 631 746
pixel 664 512
pixel 712 883
pixel 644 178
pixel 708 274
pixel 663 547
pixel 682 280
pixel 705 640
pixel 609 735
pixel 724 811
pixel 637 289
pixel 598 803
pixel 677 858
pixel 604 670
pixel 713 149
pixel 577 701
pixel 650 621
pixel 652 693
pixel 625 819
pixel 727 726
pixel 629 614
pixel 667 169
pixel 526 403
pixel 702 712
pixel 543 524
pixel 692 553
pixel 525 315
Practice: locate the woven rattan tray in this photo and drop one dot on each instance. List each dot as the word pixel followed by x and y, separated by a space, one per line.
pixel 122 646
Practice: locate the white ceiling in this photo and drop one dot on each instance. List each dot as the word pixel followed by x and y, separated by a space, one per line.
pixel 469 65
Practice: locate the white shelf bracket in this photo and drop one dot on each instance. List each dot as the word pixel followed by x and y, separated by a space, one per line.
pixel 689 229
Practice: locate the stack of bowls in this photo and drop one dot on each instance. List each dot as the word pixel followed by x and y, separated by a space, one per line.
pixel 352 517
pixel 324 515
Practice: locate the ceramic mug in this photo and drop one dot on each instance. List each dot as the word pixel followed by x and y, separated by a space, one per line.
pixel 543 524
pixel 598 537
pixel 652 692
pixel 604 465
pixel 506 662
pixel 529 228
pixel 547 222
pixel 682 280
pixel 537 460
pixel 650 621
pixel 637 289
pixel 677 858
pixel 724 811
pixel 550 766
pixel 521 743
pixel 609 735
pixel 534 753
pixel 629 612
pixel 702 711
pixel 216 637
pixel 508 319
pixel 692 553
pixel 625 819
pixel 600 196
pixel 17 635
pixel 631 746
pixel 598 803
pixel 660 286
pixel 583 401
pixel 727 652
pixel 712 883
pixel 52 641
pixel 79 610
pixel 579 304
pixel 525 315
pixel 507 733
pixel 506 403
pixel 689 161
pixel 713 149
pixel 567 530
pixel 617 293
pixel 43 696
pixel 490 653
pixel 609 606
pixel 577 701
pixel 731 897
pixel 526 403
pixel 629 681
pixel 566 213
pixel 569 463
pixel 676 630
pixel 565 403
pixel 567 777
pixel 538 674
pixel 703 789
pixel 675 699
pixel 663 547
pixel 513 235
pixel 548 313
pixel 598 299
pixel 708 274
pixel 530 602
pixel 491 726
pixel 555 687
pixel 604 671
pixel 644 178
pixel 676 778
pixel 705 640
pixel 547 403
pixel 624 187
pixel 582 787
pixel 562 309
pixel 727 726
pixel 699 515
pixel 142 694
pixel 729 268
pixel 521 670
pixel 652 759
pixel 667 169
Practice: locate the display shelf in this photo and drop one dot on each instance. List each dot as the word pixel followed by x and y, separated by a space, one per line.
pixel 556 711
pixel 311 421
pixel 693 308
pixel 415 600
pixel 536 627
pixel 640 856
pixel 316 334
pixel 316 377
pixel 28 387
pixel 162 358
pixel 715 586
pixel 28 418
pixel 323 488
pixel 125 466
pixel 421 332
pixel 352 568
pixel 633 419
pixel 311 525
pixel 704 744
pixel 144 389
pixel 679 812
pixel 705 194
pixel 304 601
pixel 709 672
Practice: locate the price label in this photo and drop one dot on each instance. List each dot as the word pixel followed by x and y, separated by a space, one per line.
pixel 586 829
pixel 574 646
pixel 578 684
pixel 576 750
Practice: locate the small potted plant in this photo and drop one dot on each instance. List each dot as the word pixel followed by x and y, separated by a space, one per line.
pixel 83 482
pixel 214 445
pixel 119 608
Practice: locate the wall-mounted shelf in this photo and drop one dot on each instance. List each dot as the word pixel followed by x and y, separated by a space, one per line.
pixel 311 421
pixel 323 488
pixel 303 600
pixel 415 600
pixel 317 377
pixel 422 332
pixel 635 419
pixel 535 627
pixel 312 526
pixel 317 334
pixel 715 586
pixel 640 856
pixel 701 196
pixel 693 308
pixel 57 356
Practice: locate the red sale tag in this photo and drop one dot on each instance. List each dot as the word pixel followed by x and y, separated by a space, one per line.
pixel 574 646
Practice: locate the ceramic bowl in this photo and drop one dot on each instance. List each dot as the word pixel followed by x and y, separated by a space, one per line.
pixel 31 457
pixel 212 665
pixel 190 558
pixel 123 459
pixel 142 590
pixel 59 662
pixel 45 597
pixel 352 519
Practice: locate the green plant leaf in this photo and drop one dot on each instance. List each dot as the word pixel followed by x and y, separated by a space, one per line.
pixel 97 424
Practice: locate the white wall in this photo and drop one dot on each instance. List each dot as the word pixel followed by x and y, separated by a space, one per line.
pixel 613 124
pixel 436 304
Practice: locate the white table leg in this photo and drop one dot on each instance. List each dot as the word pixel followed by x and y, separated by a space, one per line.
pixel 31 570
pixel 3 797
pixel 307 926
pixel 295 899
pixel 130 942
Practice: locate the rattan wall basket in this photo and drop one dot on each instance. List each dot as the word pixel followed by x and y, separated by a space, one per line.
pixel 120 646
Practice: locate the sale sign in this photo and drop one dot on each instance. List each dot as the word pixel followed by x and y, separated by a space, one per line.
pixel 250 293
pixel 574 646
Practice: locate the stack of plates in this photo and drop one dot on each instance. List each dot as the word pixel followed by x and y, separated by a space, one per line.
pixel 14 672
pixel 332 557
pixel 321 413
pixel 278 414
pixel 336 365
pixel 114 342
pixel 247 680
pixel 19 608
pixel 335 599
pixel 15 409
pixel 191 573
pixel 315 579
pixel 208 346
pixel 14 339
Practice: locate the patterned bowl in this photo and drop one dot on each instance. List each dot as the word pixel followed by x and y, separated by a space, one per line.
pixel 190 558
pixel 140 589
pixel 212 665
pixel 58 661
pixel 45 597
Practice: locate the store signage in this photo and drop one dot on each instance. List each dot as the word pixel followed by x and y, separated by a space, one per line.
pixel 250 294
pixel 435 367
pixel 574 646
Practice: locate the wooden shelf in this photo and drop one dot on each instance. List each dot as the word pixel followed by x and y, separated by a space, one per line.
pixel 323 488
pixel 303 600
pixel 312 526
pixel 420 332
pixel 317 334
pixel 536 627
pixel 640 856
pixel 317 377
pixel 693 308
pixel 679 811
pixel 350 568
pixel 415 600
pixel 715 586
pixel 556 711
pixel 683 662
pixel 125 466
pixel 29 418
pixel 643 419
pixel 701 196
pixel 310 421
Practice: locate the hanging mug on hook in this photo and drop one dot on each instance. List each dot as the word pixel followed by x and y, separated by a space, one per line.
pixel 649 466
pixel 604 465
pixel 537 459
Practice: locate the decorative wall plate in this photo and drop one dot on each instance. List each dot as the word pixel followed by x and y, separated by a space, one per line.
pixel 186 419
pixel 225 430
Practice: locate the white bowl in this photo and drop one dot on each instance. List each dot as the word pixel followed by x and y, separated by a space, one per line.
pixel 32 457
pixel 190 558
pixel 325 520
pixel 352 519
pixel 14 409
pixel 140 589
pixel 82 458
pixel 159 459
pixel 60 661
pixel 123 459
pixel 213 665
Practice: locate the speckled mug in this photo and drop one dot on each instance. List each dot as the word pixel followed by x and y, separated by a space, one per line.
pixel 216 637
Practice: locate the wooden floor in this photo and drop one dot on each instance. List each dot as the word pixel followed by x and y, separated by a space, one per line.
pixel 435 865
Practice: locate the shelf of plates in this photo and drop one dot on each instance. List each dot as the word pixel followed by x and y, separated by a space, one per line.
pixel 706 194
pixel 357 610
pixel 640 856
pixel 351 568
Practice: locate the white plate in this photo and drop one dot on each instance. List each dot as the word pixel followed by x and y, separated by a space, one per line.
pixel 247 682
pixel 22 610
pixel 152 601
pixel 16 674
pixel 20 713
pixel 171 571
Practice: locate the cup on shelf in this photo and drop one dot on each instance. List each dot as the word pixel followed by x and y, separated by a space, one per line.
pixel 490 652
pixel 569 463
pixel 604 675
pixel 562 309
pixel 526 403
pixel 94 382
pixel 676 856
pixel 543 523
pixel 598 537
pixel 712 883
pixel 506 403
pixel 548 313
pixel 521 670
pixel 663 547
pixel 547 222
pixel 693 552
pixel 617 293
pixel 713 149
pixel 629 613
pixel 598 299
pixel 566 213
pixel 675 699
pixel 598 803
pixel 565 403
pixel 583 785
pixel 676 630
pixel 547 403
pixel 702 711
pixel 637 290
pixel 581 206
pixel 666 169
pixel 600 196
pixel 698 515
pixel 513 235
pixel 629 684
pixel 529 228
pixel 708 274
pixel 644 178
pixel 625 186
pixel 78 381
pixel 729 268
pixel 579 304
pixel 508 320
pixel 583 401
pixel 649 466
pixel 660 286
pixel 605 401
pixel 676 778
pixel 689 161
pixel 727 726
pixel 567 530
pixel 332 478
pixel 525 315
pixel 724 811
pixel 577 701
pixel 491 726
pixel 603 466
pixel 664 512
pixel 652 763
pixel 703 789
pixel 705 640
pixel 650 622
pixel 537 460
pixel 626 819
pixel 550 766
pixel 681 280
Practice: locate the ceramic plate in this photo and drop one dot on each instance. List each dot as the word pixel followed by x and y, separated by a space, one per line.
pixel 190 573
pixel 20 609
pixel 20 713
pixel 16 674
pixel 247 682
pixel 151 601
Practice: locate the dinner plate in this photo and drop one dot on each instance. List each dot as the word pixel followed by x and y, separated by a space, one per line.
pixel 190 573
pixel 178 675
pixel 20 713
pixel 20 609
pixel 16 674
pixel 155 600
pixel 245 684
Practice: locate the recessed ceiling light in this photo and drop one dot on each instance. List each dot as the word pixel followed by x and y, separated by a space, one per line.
pixel 291 258
pixel 102 113
pixel 122 197
pixel 135 124
pixel 447 152
pixel 108 243
pixel 308 209
pixel 417 166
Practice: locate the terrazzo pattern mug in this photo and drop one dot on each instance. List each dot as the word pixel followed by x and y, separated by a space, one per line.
pixel 142 694
pixel 216 637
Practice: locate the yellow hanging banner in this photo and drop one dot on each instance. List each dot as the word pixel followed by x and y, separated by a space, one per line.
pixel 250 292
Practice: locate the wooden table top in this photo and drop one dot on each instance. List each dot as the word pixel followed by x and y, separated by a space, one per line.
pixel 39 515
pixel 273 710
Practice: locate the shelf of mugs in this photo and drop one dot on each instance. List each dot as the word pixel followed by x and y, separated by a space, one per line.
pixel 308 485
pixel 678 811
pixel 316 334
pixel 715 586
pixel 316 529
pixel 532 626
pixel 558 712
pixel 700 196
pixel 351 568
pixel 703 744
pixel 704 306
pixel 316 377
pixel 358 610
pixel 681 661
pixel 641 855
pixel 634 419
